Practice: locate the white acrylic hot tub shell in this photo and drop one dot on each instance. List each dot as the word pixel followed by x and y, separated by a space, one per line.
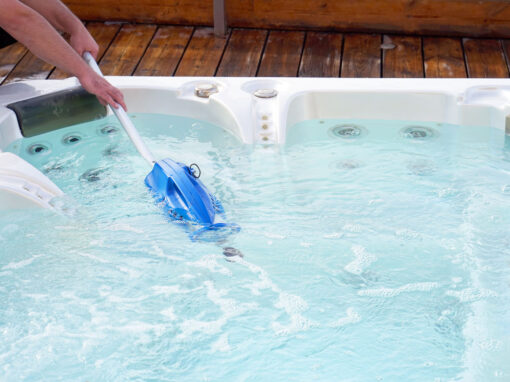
pixel 467 102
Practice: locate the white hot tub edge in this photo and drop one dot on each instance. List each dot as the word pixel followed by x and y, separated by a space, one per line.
pixel 260 110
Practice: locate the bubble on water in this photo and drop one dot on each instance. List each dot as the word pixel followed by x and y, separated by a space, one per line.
pixel 392 292
pixel 20 264
pixel 334 235
pixel 222 344
pixel 471 294
pixel 210 263
pixel 229 308
pixel 294 306
pixel 408 234
pixel 355 228
pixel 271 235
pixel 169 313
pixel 351 317
pixel 506 189
pixel 54 167
pixel 362 260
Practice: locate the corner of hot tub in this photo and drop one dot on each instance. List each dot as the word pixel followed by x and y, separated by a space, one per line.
pixel 463 102
pixel 184 96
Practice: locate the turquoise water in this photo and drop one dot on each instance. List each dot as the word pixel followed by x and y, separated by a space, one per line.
pixel 372 254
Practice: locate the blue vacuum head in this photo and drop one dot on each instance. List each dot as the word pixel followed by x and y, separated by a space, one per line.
pixel 186 198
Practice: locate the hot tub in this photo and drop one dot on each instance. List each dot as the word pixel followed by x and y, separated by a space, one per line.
pixel 374 238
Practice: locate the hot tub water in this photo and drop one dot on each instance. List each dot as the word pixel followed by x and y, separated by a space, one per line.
pixel 371 251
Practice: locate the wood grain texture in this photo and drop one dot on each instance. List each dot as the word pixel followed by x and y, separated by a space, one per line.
pixel 485 58
pixel 103 34
pixel 405 60
pixel 183 12
pixel 282 54
pixel 203 54
pixel 126 50
pixel 443 58
pixel 164 52
pixel 489 18
pixel 362 56
pixel 243 53
pixel 322 55
pixel 30 67
pixel 506 48
pixel 9 57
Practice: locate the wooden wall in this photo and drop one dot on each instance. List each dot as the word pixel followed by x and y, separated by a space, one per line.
pixel 477 18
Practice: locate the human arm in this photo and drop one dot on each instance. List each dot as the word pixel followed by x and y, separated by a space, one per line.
pixel 58 15
pixel 35 32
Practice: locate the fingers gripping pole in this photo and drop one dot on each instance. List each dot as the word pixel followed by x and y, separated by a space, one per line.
pixel 123 118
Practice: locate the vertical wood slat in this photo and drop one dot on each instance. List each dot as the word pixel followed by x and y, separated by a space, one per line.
pixel 243 53
pixel 443 57
pixel 282 54
pixel 220 18
pixel 103 34
pixel 405 60
pixel 361 56
pixel 164 51
pixel 485 58
pixel 127 48
pixel 202 55
pixel 322 55
pixel 9 57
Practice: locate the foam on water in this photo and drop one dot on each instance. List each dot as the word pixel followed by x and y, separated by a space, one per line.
pixel 379 256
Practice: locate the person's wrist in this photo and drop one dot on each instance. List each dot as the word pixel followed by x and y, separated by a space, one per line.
pixel 83 71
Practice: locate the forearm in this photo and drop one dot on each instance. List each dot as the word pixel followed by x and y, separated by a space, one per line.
pixel 57 14
pixel 33 31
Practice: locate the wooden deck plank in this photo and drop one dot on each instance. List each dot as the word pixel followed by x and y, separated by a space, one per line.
pixel 361 56
pixel 164 52
pixel 322 55
pixel 103 34
pixel 282 54
pixel 485 58
pixel 506 49
pixel 126 50
pixel 443 58
pixel 203 54
pixel 9 57
pixel 243 53
pixel 30 67
pixel 405 60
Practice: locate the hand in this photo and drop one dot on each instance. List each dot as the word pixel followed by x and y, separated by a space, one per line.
pixel 105 92
pixel 82 42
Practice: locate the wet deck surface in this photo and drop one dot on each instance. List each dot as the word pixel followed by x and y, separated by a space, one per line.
pixel 158 50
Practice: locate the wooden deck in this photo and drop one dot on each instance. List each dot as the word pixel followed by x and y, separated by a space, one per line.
pixel 157 50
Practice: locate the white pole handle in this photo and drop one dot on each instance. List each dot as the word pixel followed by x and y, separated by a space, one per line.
pixel 123 118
